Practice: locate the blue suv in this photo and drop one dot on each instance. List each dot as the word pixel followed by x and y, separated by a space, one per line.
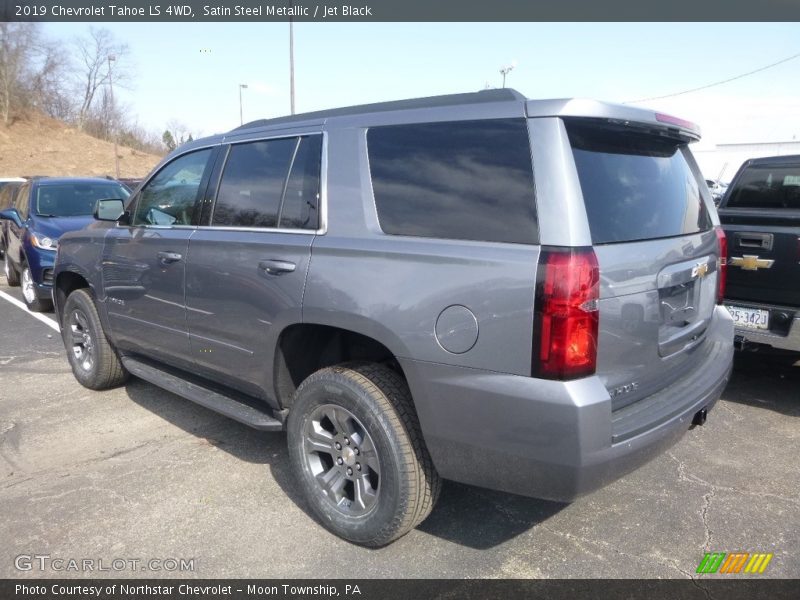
pixel 45 209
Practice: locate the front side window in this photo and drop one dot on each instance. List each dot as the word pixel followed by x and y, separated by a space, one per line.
pixel 169 197
pixel 270 184
pixel 466 180
pixel 74 199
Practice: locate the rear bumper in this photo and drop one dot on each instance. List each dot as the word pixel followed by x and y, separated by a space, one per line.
pixel 550 439
pixel 790 341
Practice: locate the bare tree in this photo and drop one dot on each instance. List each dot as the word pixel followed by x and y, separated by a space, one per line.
pixel 30 69
pixel 47 82
pixel 93 54
pixel 178 134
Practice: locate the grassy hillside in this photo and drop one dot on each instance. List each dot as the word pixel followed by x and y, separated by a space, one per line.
pixel 43 146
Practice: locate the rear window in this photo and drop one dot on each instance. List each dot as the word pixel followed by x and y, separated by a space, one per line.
pixel 467 180
pixel 764 186
pixel 636 186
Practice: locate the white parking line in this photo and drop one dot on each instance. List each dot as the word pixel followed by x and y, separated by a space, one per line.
pixel 46 320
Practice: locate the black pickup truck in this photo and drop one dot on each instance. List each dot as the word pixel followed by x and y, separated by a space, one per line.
pixel 760 214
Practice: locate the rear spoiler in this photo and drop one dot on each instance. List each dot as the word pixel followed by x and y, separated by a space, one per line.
pixel 619 114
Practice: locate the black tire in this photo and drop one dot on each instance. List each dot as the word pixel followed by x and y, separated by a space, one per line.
pixel 29 295
pixel 12 277
pixel 94 361
pixel 383 417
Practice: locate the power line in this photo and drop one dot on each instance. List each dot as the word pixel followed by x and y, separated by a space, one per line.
pixel 705 87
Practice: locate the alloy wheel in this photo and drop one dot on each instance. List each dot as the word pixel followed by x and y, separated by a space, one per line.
pixel 81 340
pixel 342 459
pixel 28 289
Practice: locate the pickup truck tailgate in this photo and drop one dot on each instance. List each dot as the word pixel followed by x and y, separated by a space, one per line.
pixel 763 256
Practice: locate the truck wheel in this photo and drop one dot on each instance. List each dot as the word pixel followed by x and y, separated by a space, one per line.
pixel 32 300
pixel 12 277
pixel 94 361
pixel 356 447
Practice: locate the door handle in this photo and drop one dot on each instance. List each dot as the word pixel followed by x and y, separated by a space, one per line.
pixel 276 267
pixel 166 258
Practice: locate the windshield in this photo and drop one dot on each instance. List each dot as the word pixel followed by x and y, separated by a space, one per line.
pixel 74 199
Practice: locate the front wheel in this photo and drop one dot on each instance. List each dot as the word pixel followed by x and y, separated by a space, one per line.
pixel 12 277
pixel 356 447
pixel 94 361
pixel 29 294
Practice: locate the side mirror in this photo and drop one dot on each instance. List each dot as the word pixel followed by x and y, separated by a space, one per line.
pixel 11 214
pixel 110 209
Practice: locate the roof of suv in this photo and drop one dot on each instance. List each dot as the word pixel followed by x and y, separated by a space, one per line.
pixel 565 107
pixel 483 96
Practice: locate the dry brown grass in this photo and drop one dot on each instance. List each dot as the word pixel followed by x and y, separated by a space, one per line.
pixel 40 145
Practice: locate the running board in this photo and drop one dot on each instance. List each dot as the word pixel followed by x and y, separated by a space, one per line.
pixel 236 409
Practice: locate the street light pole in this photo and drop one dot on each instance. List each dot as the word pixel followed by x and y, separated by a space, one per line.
pixel 505 71
pixel 112 58
pixel 291 66
pixel 242 86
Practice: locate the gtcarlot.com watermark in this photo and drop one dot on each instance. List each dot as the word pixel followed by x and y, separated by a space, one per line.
pixel 60 564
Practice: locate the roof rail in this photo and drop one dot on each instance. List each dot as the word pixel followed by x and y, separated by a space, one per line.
pixel 496 95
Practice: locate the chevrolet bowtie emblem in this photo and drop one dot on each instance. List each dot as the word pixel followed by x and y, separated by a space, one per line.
pixel 700 270
pixel 749 262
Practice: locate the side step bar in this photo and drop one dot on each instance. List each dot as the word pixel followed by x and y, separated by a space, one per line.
pixel 238 410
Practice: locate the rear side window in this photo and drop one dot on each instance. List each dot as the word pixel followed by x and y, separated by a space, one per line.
pixel 271 184
pixel 765 186
pixel 468 180
pixel 636 186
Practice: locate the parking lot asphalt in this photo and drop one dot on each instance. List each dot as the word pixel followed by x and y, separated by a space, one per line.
pixel 137 473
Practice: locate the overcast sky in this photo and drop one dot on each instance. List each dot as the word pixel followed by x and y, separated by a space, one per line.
pixel 192 72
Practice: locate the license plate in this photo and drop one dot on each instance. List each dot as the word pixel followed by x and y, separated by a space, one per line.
pixel 751 318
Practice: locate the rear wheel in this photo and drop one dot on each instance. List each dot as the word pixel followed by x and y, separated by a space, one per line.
pixel 12 277
pixel 29 294
pixel 93 359
pixel 357 450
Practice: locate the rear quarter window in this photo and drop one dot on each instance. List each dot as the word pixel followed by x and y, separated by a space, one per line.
pixel 767 186
pixel 636 185
pixel 467 180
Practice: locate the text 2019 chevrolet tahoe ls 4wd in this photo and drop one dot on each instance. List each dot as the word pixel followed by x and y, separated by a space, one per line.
pixel 521 295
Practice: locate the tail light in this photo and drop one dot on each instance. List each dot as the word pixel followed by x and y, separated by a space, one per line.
pixel 566 317
pixel 722 264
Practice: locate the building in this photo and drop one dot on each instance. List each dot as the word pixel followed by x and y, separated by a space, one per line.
pixel 721 162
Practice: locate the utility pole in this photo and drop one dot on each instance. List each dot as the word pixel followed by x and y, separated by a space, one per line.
pixel 112 58
pixel 242 86
pixel 291 66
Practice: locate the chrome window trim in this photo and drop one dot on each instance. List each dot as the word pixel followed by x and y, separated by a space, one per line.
pixel 256 229
pixel 323 190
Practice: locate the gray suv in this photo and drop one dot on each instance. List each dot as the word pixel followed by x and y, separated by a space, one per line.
pixel 516 294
